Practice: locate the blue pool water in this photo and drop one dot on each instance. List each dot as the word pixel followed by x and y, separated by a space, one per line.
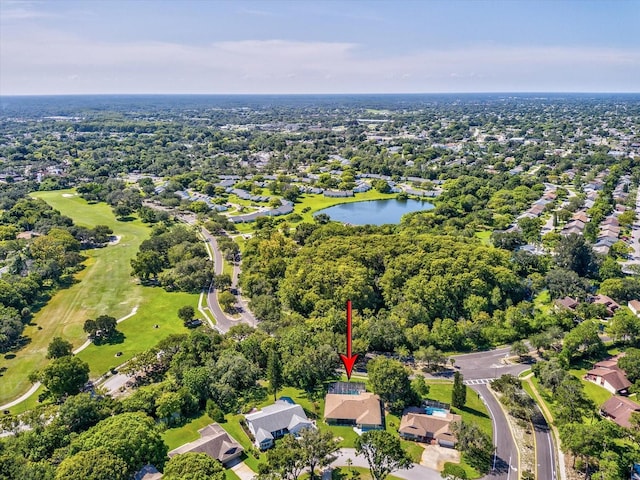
pixel 435 411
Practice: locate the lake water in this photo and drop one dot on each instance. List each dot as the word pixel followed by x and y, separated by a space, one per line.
pixel 375 212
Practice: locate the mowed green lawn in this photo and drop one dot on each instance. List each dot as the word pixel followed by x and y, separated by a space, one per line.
pixel 104 286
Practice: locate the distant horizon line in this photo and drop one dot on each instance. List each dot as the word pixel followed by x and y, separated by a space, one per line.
pixel 552 92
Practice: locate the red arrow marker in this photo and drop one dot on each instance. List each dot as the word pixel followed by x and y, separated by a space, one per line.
pixel 348 360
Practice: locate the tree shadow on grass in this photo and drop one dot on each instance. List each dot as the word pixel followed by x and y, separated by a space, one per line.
pixel 473 411
pixel 67 281
pixel 340 474
pixel 113 339
pixel 128 218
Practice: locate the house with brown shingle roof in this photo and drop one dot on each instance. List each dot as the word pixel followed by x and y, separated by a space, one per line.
pixel 610 304
pixel 567 302
pixel 581 215
pixel 608 375
pixel 619 409
pixel 417 425
pixel 363 410
pixel 213 441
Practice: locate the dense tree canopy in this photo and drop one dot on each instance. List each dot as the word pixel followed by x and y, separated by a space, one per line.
pixel 193 466
pixel 132 437
pixel 65 376
pixel 96 464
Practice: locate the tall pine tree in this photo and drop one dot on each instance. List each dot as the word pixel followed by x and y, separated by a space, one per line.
pixel 274 371
pixel 459 392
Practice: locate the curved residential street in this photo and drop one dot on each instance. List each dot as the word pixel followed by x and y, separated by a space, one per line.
pixel 545 463
pixel 223 321
pixel 505 462
pixel 480 368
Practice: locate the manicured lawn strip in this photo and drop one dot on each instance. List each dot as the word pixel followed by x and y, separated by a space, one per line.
pixel 232 427
pixel 174 437
pixel 473 412
pixel 230 475
pixel 246 203
pixel 544 395
pixel 245 227
pixel 202 303
pixel 313 408
pixel 471 472
pixel 227 268
pixel 29 404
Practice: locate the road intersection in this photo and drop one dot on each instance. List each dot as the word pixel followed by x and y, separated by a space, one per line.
pixel 478 369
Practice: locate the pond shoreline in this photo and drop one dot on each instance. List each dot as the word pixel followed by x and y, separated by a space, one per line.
pixel 375 212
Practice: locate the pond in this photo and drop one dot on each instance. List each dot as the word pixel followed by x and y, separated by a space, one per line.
pixel 375 212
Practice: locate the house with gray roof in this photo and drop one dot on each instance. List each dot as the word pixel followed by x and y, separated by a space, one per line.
pixel 275 421
pixel 213 441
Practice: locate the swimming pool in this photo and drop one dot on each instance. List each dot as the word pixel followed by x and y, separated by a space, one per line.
pixel 436 412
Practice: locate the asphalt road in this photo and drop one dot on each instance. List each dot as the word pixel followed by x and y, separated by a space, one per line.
pixel 487 365
pixel 223 321
pixel 505 463
pixel 546 464
pixel 478 369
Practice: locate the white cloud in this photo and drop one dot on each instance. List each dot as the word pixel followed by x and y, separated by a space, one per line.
pixel 44 61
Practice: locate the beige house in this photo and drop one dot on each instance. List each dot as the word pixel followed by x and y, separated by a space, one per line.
pixel 213 441
pixel 634 306
pixel 435 428
pixel 363 410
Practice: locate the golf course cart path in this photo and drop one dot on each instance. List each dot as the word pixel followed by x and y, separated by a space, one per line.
pixel 134 310
pixel 22 398
pixel 36 385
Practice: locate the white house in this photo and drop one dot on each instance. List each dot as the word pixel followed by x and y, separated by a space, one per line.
pixel 275 421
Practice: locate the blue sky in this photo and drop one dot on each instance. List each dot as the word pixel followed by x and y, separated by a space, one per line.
pixel 328 46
